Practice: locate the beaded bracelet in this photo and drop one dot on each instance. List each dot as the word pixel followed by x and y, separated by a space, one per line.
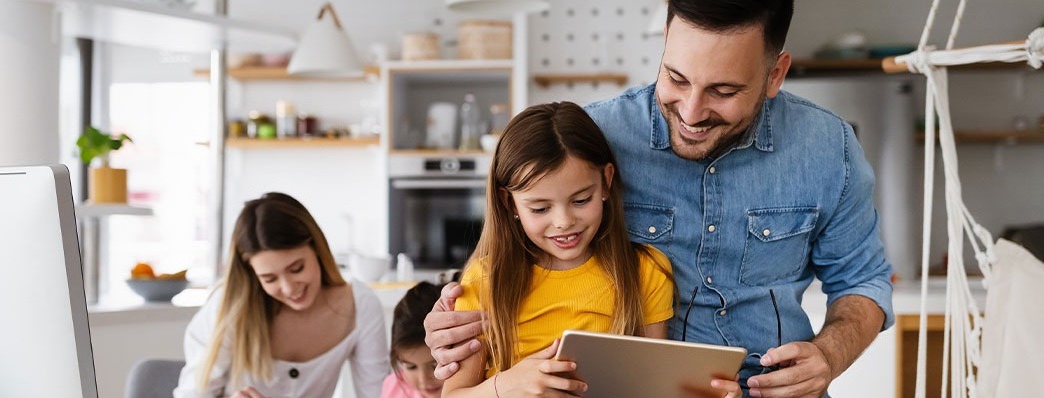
pixel 495 385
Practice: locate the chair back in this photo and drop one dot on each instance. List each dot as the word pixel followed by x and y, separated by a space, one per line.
pixel 152 378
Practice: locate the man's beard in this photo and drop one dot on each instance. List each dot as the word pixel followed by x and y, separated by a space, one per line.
pixel 685 147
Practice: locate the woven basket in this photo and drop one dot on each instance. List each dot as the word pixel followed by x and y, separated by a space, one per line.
pixel 484 39
pixel 420 46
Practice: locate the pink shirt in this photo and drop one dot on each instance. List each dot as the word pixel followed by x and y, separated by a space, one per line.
pixel 395 387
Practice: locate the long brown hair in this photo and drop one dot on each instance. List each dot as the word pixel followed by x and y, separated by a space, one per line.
pixel 275 221
pixel 535 143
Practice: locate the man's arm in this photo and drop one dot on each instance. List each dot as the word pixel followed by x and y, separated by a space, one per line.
pixel 852 323
pixel 447 332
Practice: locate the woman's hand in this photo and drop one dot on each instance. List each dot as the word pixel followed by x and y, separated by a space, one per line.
pixel 539 375
pixel 248 392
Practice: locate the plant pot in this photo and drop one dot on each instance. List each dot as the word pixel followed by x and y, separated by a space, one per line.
pixel 107 185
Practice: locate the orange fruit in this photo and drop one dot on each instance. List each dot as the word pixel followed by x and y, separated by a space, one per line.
pixel 142 271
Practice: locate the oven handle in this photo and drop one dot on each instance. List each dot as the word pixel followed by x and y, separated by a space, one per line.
pixel 438 183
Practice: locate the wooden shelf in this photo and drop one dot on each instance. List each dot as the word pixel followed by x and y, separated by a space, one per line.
pixel 141 24
pixel 110 209
pixel 872 66
pixel 994 137
pixel 269 73
pixel 437 152
pixel 255 143
pixel 547 79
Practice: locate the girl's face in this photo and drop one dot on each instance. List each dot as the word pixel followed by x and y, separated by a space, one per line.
pixel 561 212
pixel 417 367
pixel 291 276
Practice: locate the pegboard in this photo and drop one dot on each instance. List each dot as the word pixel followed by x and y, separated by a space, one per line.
pixel 592 36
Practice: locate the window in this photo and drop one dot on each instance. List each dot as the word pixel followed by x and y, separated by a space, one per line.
pixel 169 171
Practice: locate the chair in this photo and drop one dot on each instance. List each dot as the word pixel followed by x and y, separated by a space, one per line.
pixel 151 378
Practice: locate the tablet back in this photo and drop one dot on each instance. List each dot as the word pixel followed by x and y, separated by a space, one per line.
pixel 626 366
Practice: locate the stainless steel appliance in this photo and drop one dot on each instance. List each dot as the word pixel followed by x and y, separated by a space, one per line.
pixel 436 206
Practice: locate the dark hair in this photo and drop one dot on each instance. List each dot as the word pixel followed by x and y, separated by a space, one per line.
pixel 726 15
pixel 408 318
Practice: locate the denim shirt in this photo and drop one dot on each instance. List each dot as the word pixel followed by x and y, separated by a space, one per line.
pixel 792 201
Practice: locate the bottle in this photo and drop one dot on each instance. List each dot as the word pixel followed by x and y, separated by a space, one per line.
pixel 403 268
pixel 470 124
pixel 286 119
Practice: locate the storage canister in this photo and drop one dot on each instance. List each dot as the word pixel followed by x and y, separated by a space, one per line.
pixel 420 46
pixel 484 39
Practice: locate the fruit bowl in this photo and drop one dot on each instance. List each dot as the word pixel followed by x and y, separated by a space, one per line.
pixel 157 289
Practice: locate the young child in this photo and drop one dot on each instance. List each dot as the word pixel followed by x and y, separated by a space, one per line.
pixel 413 368
pixel 554 254
pixel 283 321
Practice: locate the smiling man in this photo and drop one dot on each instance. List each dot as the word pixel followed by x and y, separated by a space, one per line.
pixel 752 193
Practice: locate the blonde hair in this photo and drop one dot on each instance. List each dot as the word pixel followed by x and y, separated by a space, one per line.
pixel 275 221
pixel 536 142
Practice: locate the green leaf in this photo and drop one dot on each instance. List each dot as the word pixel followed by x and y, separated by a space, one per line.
pixel 94 143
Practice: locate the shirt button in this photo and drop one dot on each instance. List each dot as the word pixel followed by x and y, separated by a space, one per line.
pixel 766 232
pixel 712 170
pixel 711 228
pixel 709 280
pixel 652 229
pixel 722 312
pixel 294 373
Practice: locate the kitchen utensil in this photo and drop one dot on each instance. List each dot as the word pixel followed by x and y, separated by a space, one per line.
pixel 369 268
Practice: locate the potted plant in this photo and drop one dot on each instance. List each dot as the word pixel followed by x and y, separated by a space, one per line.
pixel 105 184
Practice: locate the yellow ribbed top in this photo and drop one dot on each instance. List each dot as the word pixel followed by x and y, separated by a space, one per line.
pixel 579 298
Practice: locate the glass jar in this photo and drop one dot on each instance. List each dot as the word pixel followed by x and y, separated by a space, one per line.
pixel 255 120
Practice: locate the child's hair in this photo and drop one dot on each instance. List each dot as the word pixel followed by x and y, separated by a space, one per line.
pixel 275 221
pixel 408 319
pixel 536 142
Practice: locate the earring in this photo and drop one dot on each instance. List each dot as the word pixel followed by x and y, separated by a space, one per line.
pixel 516 216
pixel 604 198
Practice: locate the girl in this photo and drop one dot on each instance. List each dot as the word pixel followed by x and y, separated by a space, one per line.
pixel 283 321
pixel 554 255
pixel 413 367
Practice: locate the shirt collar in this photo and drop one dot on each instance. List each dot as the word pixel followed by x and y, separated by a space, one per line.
pixel 758 134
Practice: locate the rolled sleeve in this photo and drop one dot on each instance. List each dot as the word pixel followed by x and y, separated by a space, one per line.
pixel 849 255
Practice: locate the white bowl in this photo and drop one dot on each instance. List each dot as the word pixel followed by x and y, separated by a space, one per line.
pixel 369 268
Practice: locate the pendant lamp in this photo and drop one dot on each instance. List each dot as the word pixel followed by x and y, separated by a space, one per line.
pixel 498 7
pixel 325 49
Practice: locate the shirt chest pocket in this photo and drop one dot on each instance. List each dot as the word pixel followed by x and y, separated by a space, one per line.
pixel 650 224
pixel 777 244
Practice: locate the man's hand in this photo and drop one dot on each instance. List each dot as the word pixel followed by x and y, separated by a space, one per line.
pixel 539 375
pixel 804 372
pixel 447 332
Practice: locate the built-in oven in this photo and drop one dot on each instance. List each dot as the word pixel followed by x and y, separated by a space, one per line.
pixel 436 206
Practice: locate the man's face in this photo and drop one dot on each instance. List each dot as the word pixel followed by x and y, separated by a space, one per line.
pixel 711 85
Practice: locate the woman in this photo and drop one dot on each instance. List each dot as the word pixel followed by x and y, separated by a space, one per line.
pixel 283 321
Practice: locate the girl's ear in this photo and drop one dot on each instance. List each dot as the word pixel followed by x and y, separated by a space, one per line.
pixel 609 171
pixel 505 199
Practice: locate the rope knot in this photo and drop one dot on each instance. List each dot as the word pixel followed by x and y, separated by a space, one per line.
pixel 1035 48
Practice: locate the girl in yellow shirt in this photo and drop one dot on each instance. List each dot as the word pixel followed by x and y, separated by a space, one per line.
pixel 554 254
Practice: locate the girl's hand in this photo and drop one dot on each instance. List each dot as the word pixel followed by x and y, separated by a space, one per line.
pixel 540 376
pixel 248 392
pixel 719 388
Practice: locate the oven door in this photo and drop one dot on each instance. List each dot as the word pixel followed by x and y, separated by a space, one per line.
pixel 436 221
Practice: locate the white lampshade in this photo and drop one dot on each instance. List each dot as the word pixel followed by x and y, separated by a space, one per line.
pixel 498 7
pixel 659 20
pixel 325 50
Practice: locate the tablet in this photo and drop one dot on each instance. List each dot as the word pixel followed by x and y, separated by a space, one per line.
pixel 628 366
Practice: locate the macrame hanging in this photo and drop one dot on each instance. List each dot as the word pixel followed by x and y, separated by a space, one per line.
pixel 984 355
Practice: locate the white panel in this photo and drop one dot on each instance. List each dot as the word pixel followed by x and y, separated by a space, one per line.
pixel 29 99
pixel 44 341
pixel 592 36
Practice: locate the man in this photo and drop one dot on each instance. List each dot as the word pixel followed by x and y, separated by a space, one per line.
pixel 752 192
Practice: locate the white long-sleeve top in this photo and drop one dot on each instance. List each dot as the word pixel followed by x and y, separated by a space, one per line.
pixel 365 347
